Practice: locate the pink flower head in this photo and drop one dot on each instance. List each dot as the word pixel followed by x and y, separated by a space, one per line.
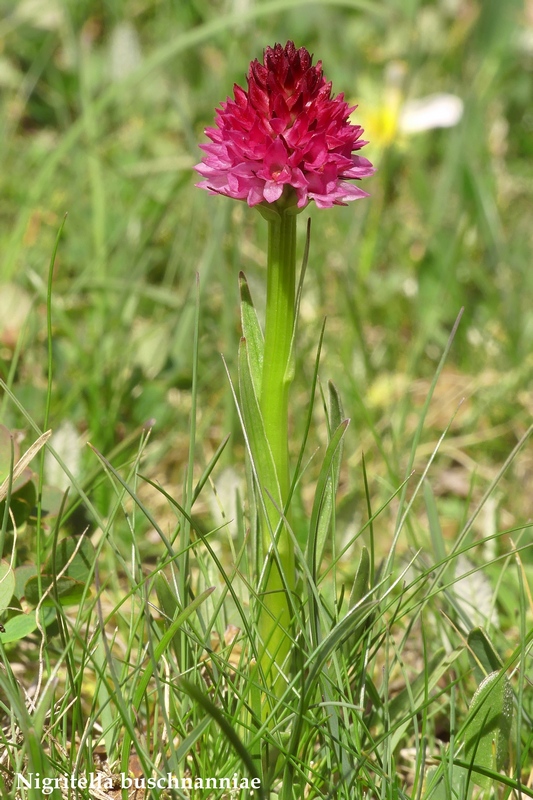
pixel 285 138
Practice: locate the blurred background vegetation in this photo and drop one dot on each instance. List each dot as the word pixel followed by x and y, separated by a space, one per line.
pixel 102 107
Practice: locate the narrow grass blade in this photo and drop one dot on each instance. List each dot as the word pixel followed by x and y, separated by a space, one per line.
pixel 251 331
pixel 321 512
pixel 305 259
pixel 209 469
pixel 309 419
pixel 335 420
pixel 199 697
pixel 134 497
pixel 159 652
pixel 163 644
pixel 416 439
pixel 168 602
pixel 361 584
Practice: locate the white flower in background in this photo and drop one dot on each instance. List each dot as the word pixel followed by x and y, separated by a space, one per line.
pixel 434 111
pixel 393 117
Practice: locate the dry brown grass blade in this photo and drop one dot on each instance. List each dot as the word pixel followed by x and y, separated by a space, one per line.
pixel 23 462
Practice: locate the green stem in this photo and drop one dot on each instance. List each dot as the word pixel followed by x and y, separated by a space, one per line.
pixel 279 324
pixel 274 402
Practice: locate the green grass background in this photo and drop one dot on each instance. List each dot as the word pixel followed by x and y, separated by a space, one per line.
pixel 102 107
pixel 446 225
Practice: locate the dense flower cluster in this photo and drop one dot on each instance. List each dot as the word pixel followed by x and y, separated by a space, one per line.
pixel 286 137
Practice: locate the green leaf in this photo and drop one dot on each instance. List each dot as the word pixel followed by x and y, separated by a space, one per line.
pixel 21 504
pixel 22 576
pixel 254 428
pixel 7 584
pixel 167 599
pixel 482 653
pixel 251 331
pixel 81 565
pixel 69 591
pixel 488 726
pixel 336 416
pixel 51 501
pixel 18 627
